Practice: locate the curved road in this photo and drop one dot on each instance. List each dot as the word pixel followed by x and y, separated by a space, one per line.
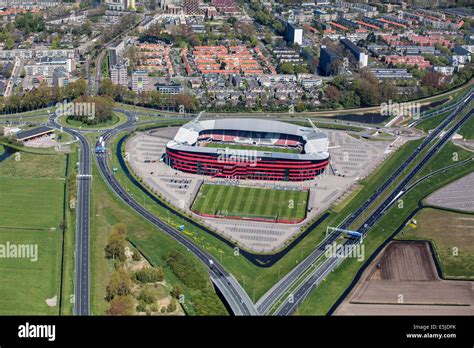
pixel 290 305
pixel 237 298
pixel 235 295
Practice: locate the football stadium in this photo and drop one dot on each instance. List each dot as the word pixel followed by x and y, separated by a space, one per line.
pixel 249 149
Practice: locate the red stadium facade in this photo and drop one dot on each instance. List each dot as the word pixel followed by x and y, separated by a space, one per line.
pixel 190 152
pixel 259 168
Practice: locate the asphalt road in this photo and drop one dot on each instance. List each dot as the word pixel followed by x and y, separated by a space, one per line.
pixel 235 295
pixel 82 284
pixel 82 253
pixel 305 287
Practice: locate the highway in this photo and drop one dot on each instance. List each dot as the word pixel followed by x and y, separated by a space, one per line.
pixel 236 297
pixel 82 253
pixel 320 273
pixel 268 300
pixel 234 294
pixel 82 260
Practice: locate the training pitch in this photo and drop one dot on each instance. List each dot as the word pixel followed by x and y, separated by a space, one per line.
pixel 251 203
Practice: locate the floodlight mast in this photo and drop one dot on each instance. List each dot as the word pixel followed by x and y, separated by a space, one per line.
pixel 313 125
pixel 196 120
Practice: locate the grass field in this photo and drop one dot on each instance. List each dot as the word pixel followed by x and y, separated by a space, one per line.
pixel 326 294
pixel 25 284
pixel 107 210
pixel 252 147
pixel 467 130
pixel 431 123
pixel 251 202
pixel 453 237
pixel 31 202
pixel 30 165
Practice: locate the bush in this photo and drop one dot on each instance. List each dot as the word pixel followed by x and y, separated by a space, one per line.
pixel 149 275
pixel 186 270
pixel 176 291
pixel 206 303
pixel 171 306
pixel 146 296
pixel 141 307
pixel 136 256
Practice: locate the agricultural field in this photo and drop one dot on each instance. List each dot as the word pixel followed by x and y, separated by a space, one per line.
pixel 250 202
pixel 403 280
pixel 31 211
pixel 453 237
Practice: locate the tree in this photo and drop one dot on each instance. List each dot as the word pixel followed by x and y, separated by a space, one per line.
pixel 432 79
pixel 9 43
pixel 388 90
pixel 287 68
pixel 29 22
pixel 76 89
pixel 301 69
pixel 115 248
pixel 56 43
pixel 120 284
pixel 177 291
pixel 332 93
pixel 103 109
pixel 107 88
pixel 187 101
pixel 350 99
pixel 121 305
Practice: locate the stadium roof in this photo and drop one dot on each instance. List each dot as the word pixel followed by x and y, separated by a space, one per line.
pixel 33 132
pixel 315 141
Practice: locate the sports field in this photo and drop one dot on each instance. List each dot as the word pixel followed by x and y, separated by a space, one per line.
pixel 250 202
pixel 31 202
pixel 253 147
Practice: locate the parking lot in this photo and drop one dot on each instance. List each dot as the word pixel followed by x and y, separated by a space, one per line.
pixel 457 195
pixel 351 158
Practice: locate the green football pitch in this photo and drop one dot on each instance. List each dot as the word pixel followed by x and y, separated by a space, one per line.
pixel 250 202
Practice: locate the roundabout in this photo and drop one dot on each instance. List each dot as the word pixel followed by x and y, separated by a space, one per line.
pixel 118 119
